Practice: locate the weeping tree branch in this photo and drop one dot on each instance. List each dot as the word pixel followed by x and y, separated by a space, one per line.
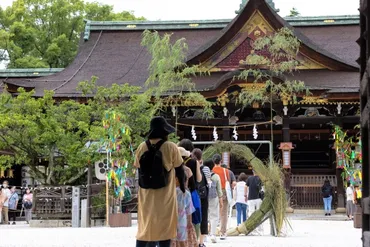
pixel 78 175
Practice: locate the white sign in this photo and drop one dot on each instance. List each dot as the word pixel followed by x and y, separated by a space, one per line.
pixel 75 206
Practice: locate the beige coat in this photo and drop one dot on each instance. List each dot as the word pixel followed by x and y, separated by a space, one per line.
pixel 157 209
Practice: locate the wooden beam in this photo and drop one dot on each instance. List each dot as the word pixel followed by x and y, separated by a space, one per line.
pixel 323 120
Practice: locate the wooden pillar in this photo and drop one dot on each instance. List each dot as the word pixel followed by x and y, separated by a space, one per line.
pixel 286 129
pixel 225 131
pixel 63 196
pixel 226 134
pixel 287 172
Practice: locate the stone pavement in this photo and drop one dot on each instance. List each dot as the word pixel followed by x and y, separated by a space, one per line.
pixel 305 233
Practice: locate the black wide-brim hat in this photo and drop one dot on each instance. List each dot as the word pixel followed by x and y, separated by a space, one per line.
pixel 159 128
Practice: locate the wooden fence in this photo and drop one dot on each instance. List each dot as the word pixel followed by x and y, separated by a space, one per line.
pixel 305 190
pixel 56 202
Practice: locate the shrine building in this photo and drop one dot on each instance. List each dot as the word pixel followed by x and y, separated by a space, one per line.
pixel 327 57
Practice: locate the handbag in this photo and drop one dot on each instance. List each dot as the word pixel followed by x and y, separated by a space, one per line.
pixel 228 189
pixel 202 186
pixel 27 205
pixel 197 215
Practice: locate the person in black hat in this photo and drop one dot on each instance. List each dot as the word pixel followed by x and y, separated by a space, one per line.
pixel 157 207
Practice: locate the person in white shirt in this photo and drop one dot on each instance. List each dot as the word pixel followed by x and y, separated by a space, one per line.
pixel 350 201
pixel 5 202
pixel 241 198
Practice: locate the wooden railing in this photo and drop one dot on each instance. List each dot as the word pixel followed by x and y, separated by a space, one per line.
pixel 302 180
pixel 56 202
pixel 305 190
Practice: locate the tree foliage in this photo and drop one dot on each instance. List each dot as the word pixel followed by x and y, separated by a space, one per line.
pixel 45 33
pixel 41 132
pixel 273 57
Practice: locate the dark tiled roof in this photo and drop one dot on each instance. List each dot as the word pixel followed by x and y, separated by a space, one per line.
pixel 339 40
pixel 326 79
pixel 115 55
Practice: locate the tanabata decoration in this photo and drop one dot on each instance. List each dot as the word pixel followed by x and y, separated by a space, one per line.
pixel 117 133
pixel 348 156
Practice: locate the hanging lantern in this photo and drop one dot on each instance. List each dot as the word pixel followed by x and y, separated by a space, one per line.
pixel 286 148
pixel 10 173
pixel 256 105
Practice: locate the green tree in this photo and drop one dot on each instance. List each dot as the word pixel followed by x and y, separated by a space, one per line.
pixel 45 33
pixel 274 56
pixel 294 12
pixel 43 133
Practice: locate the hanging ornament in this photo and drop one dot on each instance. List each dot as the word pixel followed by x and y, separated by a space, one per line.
pixel 225 110
pixel 193 134
pixel 255 132
pixel 174 111
pixel 215 135
pixel 235 134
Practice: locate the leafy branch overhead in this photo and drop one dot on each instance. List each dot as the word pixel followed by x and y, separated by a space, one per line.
pixel 58 140
pixel 272 58
pixel 170 78
pixel 46 33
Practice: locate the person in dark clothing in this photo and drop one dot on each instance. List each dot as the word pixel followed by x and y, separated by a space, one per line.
pixel 327 194
pixel 197 154
pixel 191 163
pixel 254 185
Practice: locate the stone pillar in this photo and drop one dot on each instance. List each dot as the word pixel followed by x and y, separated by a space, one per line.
pixel 27 180
pixel 75 206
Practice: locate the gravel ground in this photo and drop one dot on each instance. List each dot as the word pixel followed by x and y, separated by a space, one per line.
pixel 305 233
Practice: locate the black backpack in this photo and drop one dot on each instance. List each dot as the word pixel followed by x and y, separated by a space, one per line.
pixel 203 186
pixel 152 173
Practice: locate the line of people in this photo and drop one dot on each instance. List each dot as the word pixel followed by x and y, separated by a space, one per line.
pixel 181 197
pixel 9 202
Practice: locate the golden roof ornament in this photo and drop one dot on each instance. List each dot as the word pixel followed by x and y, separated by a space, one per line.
pixel 313 100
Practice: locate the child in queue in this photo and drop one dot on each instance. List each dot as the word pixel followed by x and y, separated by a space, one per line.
pixel 185 209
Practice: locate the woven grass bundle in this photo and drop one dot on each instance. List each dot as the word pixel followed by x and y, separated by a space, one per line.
pixel 272 177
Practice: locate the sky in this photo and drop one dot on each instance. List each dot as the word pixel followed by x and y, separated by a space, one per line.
pixel 221 9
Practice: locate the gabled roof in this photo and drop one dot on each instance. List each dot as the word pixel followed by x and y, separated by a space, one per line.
pixel 258 16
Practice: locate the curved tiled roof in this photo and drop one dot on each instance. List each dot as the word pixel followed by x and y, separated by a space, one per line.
pixel 112 51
